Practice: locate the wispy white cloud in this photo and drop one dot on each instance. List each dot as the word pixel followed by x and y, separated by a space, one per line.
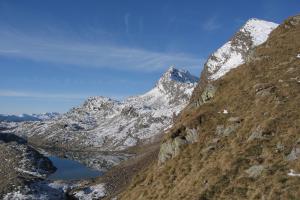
pixel 13 93
pixel 83 53
pixel 61 96
pixel 211 24
pixel 8 51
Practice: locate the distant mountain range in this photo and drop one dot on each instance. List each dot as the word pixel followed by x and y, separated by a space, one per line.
pixel 29 117
pixel 110 124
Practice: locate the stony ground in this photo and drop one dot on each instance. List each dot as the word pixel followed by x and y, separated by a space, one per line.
pixel 20 164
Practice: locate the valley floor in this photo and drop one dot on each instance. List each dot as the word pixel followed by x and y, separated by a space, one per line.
pixel 24 175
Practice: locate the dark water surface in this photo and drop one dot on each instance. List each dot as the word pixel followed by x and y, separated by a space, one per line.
pixel 71 170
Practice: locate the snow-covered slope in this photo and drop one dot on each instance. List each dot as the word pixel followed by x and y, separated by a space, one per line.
pixel 115 125
pixel 47 115
pixel 234 52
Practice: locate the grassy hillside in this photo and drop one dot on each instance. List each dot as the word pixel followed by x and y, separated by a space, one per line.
pixel 248 152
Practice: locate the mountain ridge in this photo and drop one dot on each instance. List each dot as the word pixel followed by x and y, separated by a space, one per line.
pixel 28 117
pixel 236 51
pixel 109 124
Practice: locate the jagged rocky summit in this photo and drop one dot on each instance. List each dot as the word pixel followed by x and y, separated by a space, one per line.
pixel 232 54
pixel 235 52
pixel 109 124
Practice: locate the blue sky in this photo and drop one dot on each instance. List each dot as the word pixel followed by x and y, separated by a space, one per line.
pixel 55 53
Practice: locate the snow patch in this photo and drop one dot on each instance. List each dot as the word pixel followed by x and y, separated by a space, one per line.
pixel 259 30
pixel 130 142
pixel 42 190
pixel 230 55
pixel 36 174
pixel 292 173
pixel 233 61
pixel 92 192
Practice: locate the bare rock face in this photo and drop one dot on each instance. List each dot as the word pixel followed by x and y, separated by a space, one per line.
pixel 206 95
pixel 192 135
pixel 292 22
pixel 172 147
pixel 255 171
pixel 295 153
pixel 226 131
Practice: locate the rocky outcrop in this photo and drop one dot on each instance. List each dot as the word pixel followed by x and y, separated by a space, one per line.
pixel 255 171
pixel 207 95
pixel 295 152
pixel 172 147
pixel 184 136
pixel 257 134
pixel 223 131
pixel 292 22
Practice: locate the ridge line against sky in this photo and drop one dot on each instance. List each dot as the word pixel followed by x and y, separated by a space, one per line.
pixel 52 51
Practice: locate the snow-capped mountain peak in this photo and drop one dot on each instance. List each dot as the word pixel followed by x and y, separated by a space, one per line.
pixel 175 80
pixel 110 124
pixel 258 29
pixel 233 53
pixel 97 102
pixel 178 75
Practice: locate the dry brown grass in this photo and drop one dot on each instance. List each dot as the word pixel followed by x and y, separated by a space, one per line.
pixel 215 169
